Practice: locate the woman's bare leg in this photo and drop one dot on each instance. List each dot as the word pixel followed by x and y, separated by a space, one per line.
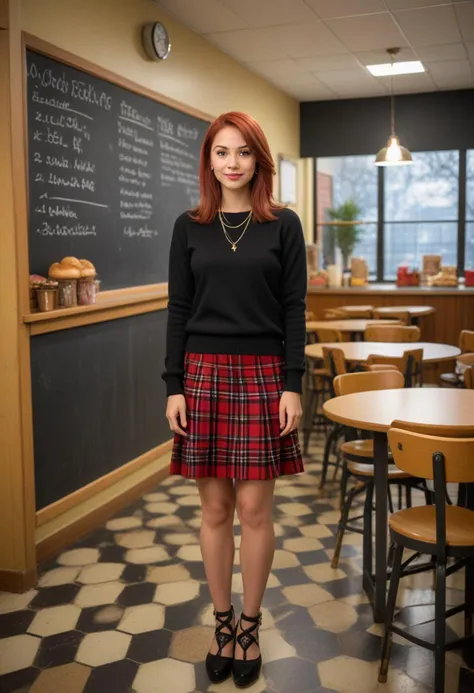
pixel 217 543
pixel 255 510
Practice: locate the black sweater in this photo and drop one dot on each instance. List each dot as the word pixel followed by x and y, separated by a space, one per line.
pixel 251 301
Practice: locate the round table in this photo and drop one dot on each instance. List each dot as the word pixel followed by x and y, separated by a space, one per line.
pixel 439 408
pixel 413 311
pixel 360 351
pixel 375 410
pixel 355 309
pixel 352 325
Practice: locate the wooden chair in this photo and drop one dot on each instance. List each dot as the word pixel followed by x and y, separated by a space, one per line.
pixel 392 333
pixel 335 314
pixel 356 314
pixel 358 456
pixel 466 344
pixel 335 363
pixel 327 334
pixel 410 365
pixel 440 530
pixel 319 382
pixel 469 378
pixel 402 316
pixel 309 315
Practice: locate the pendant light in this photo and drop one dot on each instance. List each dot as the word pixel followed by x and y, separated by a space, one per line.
pixel 393 154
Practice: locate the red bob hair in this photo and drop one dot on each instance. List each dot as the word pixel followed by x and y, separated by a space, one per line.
pixel 261 186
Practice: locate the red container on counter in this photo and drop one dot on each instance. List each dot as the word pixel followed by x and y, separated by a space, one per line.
pixel 469 277
pixel 405 277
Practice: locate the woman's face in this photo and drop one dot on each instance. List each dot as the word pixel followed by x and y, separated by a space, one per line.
pixel 233 161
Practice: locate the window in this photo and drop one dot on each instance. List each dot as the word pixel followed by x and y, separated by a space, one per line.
pixel 421 211
pixel 340 179
pixel 469 260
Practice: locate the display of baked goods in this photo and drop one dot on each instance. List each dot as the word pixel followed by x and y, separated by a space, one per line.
pixel 68 268
pixel 87 269
pixel 446 277
pixel 39 282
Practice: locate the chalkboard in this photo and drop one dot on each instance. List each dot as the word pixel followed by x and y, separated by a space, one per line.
pixel 109 172
pixel 98 400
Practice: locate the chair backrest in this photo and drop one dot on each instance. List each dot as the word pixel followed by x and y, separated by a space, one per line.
pixel 364 382
pixel 327 334
pixel 335 314
pixel 466 359
pixel 392 333
pixel 410 364
pixel 466 341
pixel 469 378
pixel 445 431
pixel 334 361
pixel 414 452
pixel 358 314
pixel 402 316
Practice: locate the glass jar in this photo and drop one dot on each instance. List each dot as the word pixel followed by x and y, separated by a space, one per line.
pixel 67 293
pixel 87 291
pixel 47 299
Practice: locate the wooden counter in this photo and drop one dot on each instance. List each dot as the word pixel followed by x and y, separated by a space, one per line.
pixel 454 309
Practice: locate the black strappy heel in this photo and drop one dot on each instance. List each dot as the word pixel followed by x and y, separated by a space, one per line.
pixel 218 667
pixel 246 672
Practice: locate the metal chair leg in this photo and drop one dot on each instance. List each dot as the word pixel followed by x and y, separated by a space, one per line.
pixel 332 437
pixel 391 602
pixel 440 628
pixel 343 522
pixel 309 420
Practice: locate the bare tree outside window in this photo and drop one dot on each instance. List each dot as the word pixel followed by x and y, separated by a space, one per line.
pixel 421 211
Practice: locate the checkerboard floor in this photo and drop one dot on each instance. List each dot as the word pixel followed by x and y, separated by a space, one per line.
pixel 127 608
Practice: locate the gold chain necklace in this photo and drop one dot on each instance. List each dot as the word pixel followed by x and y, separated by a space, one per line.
pixel 222 217
pixel 229 239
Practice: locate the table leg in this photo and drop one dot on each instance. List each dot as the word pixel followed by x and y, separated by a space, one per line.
pixel 381 491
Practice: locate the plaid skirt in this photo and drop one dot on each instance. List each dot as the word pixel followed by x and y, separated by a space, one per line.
pixel 233 423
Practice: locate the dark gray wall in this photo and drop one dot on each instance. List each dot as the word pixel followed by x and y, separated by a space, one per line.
pixel 441 120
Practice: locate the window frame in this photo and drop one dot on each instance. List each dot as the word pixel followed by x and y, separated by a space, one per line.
pixel 381 222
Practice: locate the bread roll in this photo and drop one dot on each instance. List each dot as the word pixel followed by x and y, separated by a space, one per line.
pixel 87 269
pixel 71 262
pixel 59 271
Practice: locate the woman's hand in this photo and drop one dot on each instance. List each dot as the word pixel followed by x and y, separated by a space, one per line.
pixel 290 412
pixel 176 414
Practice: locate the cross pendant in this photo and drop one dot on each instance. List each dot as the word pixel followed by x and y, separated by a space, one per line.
pixel 234 247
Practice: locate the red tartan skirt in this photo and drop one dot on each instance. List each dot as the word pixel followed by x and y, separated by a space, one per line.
pixel 233 422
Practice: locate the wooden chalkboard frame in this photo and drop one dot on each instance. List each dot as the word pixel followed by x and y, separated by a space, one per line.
pixel 114 303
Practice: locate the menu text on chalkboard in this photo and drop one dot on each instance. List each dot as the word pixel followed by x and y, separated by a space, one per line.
pixel 109 172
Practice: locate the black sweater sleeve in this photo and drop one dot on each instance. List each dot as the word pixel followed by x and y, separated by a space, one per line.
pixel 294 302
pixel 180 292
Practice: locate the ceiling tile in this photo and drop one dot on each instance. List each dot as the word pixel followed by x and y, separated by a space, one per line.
pixel 303 40
pixel 447 51
pixel 381 56
pixel 321 63
pixel 413 4
pixel 344 8
pixel 404 84
pixel 270 12
pixel 204 17
pixel 246 45
pixel 465 14
pixel 277 68
pixel 452 74
pixel 470 50
pixel 340 80
pixel 374 30
pixel 362 91
pixel 310 92
pixel 430 26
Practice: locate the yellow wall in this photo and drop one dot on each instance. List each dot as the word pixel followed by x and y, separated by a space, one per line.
pixel 108 33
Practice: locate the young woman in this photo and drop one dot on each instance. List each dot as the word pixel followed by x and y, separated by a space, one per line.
pixel 234 366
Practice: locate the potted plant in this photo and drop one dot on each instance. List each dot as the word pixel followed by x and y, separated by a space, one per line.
pixel 345 236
